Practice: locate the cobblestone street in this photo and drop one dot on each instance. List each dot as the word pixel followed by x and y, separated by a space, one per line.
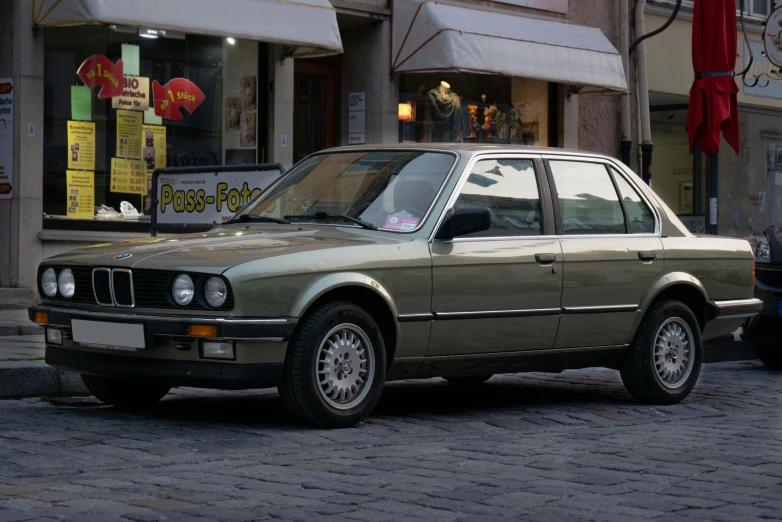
pixel 533 447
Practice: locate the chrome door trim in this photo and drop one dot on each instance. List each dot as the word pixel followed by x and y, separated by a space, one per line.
pixel 497 314
pixel 410 318
pixel 466 171
pixel 599 309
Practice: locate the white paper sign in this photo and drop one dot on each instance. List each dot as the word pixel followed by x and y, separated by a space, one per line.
pixel 357 101
pixel 6 138
pixel 356 139
pixel 356 122
pixel 206 197
pixel 712 211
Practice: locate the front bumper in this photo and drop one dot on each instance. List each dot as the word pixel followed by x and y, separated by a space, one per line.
pixel 228 328
pixel 168 372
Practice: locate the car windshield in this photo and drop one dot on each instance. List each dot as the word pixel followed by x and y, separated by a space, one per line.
pixel 392 190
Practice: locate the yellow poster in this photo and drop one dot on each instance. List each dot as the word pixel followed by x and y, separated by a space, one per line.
pixel 81 145
pixel 128 176
pixel 81 193
pixel 154 153
pixel 129 125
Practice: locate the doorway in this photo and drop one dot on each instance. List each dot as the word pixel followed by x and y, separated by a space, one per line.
pixel 316 106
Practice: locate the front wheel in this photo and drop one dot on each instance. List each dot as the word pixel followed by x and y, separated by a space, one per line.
pixel 664 361
pixel 124 393
pixel 335 367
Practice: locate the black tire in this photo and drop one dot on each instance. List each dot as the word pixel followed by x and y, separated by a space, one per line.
pixel 639 372
pixel 472 380
pixel 124 393
pixel 769 353
pixel 300 390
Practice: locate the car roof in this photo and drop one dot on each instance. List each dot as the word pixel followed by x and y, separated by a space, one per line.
pixel 464 148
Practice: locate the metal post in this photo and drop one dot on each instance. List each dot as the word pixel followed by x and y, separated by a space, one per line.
pixel 697 180
pixel 712 178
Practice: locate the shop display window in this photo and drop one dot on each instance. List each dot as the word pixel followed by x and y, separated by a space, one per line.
pixel 118 105
pixel 473 108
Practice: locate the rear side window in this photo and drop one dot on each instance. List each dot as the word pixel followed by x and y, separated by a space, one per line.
pixel 509 189
pixel 588 203
pixel 639 214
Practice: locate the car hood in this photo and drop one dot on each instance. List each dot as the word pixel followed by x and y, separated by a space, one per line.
pixel 217 250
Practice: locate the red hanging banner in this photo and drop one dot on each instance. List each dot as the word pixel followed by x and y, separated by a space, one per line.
pixel 177 93
pixel 97 70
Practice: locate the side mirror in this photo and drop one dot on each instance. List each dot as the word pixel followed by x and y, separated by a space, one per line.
pixel 463 221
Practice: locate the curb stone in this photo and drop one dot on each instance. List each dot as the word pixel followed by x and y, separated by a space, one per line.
pixel 10 330
pixel 20 379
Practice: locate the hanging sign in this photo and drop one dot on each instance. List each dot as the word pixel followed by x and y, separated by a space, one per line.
pixel 81 193
pixel 135 94
pixel 97 70
pixel 81 145
pixel 6 138
pixel 127 176
pixel 772 37
pixel 129 138
pixel 177 93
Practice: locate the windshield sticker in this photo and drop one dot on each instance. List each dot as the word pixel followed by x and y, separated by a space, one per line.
pixel 401 222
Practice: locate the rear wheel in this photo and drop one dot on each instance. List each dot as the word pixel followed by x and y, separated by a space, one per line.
pixel 472 380
pixel 664 361
pixel 335 367
pixel 124 393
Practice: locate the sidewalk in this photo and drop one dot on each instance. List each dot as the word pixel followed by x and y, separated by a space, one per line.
pixel 23 372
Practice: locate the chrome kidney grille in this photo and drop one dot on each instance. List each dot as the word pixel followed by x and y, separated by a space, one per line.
pixel 113 287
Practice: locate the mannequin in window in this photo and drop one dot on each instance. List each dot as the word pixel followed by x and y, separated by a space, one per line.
pixel 446 107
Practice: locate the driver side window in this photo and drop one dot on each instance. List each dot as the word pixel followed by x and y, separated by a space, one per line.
pixel 509 189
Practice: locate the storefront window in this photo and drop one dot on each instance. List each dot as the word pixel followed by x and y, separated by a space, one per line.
pixel 750 185
pixel 183 100
pixel 473 108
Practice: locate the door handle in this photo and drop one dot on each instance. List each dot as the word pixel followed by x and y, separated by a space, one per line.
pixel 545 259
pixel 647 256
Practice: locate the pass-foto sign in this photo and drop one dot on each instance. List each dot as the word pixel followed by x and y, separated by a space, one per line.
pixel 177 94
pixel 97 70
pixel 207 197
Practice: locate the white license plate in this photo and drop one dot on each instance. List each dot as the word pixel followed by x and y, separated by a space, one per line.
pixel 114 336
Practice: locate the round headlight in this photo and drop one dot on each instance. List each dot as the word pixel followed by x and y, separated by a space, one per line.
pixel 66 283
pixel 183 290
pixel 49 282
pixel 215 292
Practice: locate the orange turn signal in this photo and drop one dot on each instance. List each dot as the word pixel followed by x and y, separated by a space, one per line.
pixel 201 330
pixel 42 317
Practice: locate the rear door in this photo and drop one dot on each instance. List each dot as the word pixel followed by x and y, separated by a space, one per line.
pixel 611 250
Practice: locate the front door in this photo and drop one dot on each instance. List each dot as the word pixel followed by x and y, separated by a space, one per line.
pixel 498 290
pixel 612 252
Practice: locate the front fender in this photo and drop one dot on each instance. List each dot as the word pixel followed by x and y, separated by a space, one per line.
pixel 329 282
pixel 662 283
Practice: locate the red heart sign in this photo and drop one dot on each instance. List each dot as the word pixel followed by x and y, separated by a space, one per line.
pixel 177 93
pixel 97 70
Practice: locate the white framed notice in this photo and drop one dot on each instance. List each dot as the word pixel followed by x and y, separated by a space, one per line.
pixel 6 138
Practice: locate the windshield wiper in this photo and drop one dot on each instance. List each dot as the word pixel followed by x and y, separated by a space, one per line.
pixel 247 218
pixel 326 215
